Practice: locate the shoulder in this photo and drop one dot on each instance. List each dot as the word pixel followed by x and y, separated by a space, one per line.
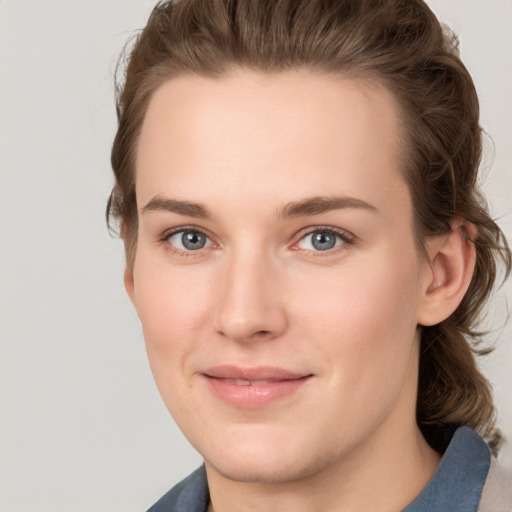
pixel 497 493
pixel 190 495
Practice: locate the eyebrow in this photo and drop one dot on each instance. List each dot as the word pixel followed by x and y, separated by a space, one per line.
pixel 319 205
pixel 301 208
pixel 180 207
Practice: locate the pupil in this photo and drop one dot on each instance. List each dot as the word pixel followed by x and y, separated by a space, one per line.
pixel 323 241
pixel 193 240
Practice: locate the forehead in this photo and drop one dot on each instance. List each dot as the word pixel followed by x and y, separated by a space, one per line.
pixel 286 131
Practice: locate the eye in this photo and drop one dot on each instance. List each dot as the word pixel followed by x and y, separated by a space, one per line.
pixel 321 240
pixel 188 240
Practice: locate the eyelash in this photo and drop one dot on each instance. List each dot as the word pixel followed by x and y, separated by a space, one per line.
pixel 347 239
pixel 164 239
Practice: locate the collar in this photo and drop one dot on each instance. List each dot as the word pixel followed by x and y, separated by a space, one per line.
pixel 458 482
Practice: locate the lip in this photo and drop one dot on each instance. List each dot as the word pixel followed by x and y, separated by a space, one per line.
pixel 250 388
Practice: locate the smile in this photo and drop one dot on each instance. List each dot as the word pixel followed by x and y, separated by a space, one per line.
pixel 253 388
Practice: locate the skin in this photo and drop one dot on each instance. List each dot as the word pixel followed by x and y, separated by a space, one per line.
pixel 242 154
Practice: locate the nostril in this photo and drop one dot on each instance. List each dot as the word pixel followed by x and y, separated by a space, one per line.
pixel 261 333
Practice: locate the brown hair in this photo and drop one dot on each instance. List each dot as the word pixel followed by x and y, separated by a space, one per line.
pixel 399 43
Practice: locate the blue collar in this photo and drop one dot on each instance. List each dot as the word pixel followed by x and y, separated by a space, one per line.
pixel 459 480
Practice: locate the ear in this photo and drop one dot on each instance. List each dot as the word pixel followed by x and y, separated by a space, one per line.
pixel 128 272
pixel 129 284
pixel 451 262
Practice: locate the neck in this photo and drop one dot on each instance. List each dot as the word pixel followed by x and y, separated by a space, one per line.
pixel 384 475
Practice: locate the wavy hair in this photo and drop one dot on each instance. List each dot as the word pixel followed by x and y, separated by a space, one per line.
pixel 399 43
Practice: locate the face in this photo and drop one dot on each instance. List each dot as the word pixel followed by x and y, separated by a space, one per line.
pixel 276 276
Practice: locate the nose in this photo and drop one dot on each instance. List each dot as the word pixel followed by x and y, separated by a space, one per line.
pixel 251 303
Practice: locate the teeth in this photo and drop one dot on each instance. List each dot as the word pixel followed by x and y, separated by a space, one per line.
pixel 243 382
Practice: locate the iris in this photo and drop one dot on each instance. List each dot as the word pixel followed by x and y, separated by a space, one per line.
pixel 193 240
pixel 323 241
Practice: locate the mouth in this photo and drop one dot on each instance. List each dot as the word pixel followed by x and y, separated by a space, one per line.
pixel 243 382
pixel 250 388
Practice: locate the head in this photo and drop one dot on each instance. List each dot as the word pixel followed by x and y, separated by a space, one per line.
pixel 397 47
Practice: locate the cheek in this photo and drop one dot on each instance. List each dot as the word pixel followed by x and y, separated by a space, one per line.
pixel 173 308
pixel 364 318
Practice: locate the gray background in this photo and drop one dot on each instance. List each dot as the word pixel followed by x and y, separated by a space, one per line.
pixel 82 427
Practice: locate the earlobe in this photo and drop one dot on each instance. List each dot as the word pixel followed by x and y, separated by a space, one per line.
pixel 452 260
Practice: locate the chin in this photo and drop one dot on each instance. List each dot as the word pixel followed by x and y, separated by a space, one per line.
pixel 261 471
pixel 274 460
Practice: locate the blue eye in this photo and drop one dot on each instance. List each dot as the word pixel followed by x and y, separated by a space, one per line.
pixel 321 240
pixel 189 240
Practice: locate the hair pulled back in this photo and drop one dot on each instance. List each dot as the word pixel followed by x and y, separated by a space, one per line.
pixel 398 43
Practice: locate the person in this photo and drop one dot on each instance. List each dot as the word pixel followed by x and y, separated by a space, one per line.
pixel 309 254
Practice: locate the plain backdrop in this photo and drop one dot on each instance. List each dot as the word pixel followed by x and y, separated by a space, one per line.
pixel 82 426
